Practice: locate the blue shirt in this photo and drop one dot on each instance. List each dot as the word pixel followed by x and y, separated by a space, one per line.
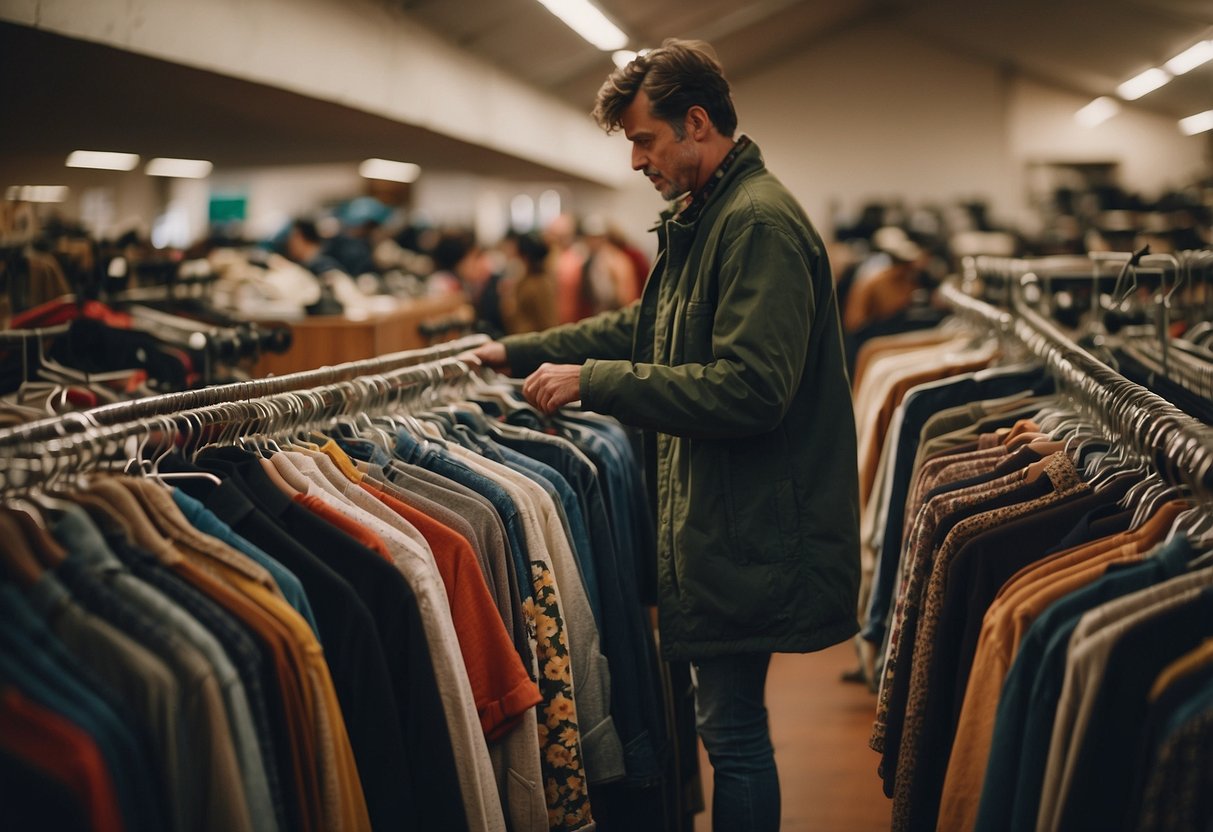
pixel 205 521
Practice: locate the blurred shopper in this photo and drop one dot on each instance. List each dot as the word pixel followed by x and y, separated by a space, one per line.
pixel 528 299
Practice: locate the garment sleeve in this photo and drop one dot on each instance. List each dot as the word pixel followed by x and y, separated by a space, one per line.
pixel 759 341
pixel 604 336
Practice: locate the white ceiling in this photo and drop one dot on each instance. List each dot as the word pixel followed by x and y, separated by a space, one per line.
pixel 1087 46
pixel 50 107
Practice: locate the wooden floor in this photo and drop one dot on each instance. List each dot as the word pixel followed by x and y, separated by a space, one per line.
pixel 820 726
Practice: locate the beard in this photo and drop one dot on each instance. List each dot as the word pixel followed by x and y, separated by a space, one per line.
pixel 679 174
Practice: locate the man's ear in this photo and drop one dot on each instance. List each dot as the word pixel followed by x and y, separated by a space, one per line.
pixel 697 122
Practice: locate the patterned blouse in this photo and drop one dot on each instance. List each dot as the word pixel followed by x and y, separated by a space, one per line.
pixel 564 784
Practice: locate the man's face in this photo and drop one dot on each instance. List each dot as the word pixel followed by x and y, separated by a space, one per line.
pixel 672 165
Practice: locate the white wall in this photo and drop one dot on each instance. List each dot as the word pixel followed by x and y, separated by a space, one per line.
pixel 109 202
pixel 875 113
pixel 1153 155
pixel 278 194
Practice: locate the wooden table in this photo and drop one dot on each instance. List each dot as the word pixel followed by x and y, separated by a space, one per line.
pixel 331 339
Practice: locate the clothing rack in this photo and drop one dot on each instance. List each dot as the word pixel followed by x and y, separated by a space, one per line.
pixel 189 400
pixel 275 413
pixel 1180 447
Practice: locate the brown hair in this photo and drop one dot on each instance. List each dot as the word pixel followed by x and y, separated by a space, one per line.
pixel 676 76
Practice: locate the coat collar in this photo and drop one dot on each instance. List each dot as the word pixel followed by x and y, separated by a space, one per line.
pixel 744 159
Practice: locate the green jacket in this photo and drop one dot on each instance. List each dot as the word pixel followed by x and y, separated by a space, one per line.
pixel 733 358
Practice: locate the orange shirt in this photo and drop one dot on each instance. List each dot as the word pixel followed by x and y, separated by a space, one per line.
pixel 500 684
pixel 357 531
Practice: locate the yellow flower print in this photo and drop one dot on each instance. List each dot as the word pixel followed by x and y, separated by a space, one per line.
pixel 546 579
pixel 569 737
pixel 528 609
pixel 545 626
pixel 574 785
pixel 551 791
pixel 557 667
pixel 543 734
pixel 560 710
pixel 558 756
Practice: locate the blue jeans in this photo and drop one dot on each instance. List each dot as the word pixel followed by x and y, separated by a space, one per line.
pixel 731 716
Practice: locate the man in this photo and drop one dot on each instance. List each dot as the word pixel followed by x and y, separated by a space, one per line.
pixel 305 246
pixel 733 360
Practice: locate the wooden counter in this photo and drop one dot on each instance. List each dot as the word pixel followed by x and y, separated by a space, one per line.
pixel 325 340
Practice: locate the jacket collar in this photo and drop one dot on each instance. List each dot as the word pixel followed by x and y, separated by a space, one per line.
pixel 744 160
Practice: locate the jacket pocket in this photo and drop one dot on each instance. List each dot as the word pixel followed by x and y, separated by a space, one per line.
pixel 764 517
pixel 527 805
pixel 696 342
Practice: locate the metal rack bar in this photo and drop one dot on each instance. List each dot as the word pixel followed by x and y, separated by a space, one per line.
pixel 1180 447
pixel 119 412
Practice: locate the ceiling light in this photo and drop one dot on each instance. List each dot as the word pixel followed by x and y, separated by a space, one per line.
pixel 102 160
pixel 588 21
pixel 1191 58
pixel 1139 85
pixel 36 193
pixel 389 170
pixel 1097 112
pixel 179 168
pixel 1198 123
pixel 623 57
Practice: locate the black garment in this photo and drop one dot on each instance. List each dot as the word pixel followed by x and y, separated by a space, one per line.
pixel 988 561
pixel 348 633
pixel 92 346
pixel 1158 714
pixel 34 801
pixel 488 308
pixel 353 256
pixel 1103 521
pixel 379 608
pixel 1099 795
pixel 978 571
pixel 249 655
pixel 900 691
pixel 1175 393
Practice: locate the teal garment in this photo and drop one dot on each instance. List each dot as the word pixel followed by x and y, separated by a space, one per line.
pixel 733 359
pixel 205 521
pixel 1023 725
pixel 37 663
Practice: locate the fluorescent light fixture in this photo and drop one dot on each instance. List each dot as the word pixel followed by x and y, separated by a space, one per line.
pixel 1097 112
pixel 588 21
pixel 1139 85
pixel 389 170
pixel 1191 58
pixel 37 193
pixel 179 168
pixel 102 160
pixel 1198 123
pixel 623 57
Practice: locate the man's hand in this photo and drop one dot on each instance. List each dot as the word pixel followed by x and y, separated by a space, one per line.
pixel 490 355
pixel 552 386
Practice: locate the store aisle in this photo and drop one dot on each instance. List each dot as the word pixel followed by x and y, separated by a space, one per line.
pixel 820 726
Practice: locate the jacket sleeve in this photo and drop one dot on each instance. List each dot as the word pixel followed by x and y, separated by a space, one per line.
pixel 759 340
pixel 606 336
